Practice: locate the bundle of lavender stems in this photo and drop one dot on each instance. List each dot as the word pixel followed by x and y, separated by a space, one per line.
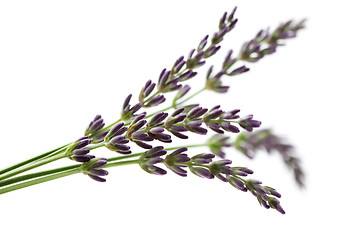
pixel 154 132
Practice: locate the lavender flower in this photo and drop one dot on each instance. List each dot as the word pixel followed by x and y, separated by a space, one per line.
pixel 196 113
pixel 152 157
pixel 178 65
pixel 201 172
pixel 266 42
pixel 167 83
pixel 115 141
pixel 182 92
pixel 201 159
pixel 95 125
pixel 78 152
pixel 187 75
pixel 202 43
pixel 250 143
pixel 135 134
pixel 140 128
pixel 128 112
pixel 92 169
pixel 196 61
pixel 172 124
pixel 221 168
pixel 248 123
pixel 211 115
pixel 216 144
pixel 175 161
pixel 214 83
pixel 146 91
pixel 237 183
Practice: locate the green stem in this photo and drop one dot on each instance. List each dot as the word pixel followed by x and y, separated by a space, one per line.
pixel 39 180
pixel 30 160
pixel 51 159
pixel 116 164
pixel 112 162
pixel 187 99
pixel 174 105
pixel 36 175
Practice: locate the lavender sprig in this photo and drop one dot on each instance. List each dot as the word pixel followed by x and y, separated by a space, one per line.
pixel 250 143
pixel 183 69
pixel 142 128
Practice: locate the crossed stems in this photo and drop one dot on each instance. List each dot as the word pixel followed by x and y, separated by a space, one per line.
pixel 48 175
pixel 59 153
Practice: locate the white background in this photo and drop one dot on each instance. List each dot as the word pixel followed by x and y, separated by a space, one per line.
pixel 63 62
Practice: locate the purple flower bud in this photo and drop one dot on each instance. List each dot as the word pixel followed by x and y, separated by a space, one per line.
pixel 231 15
pixel 97 178
pixel 196 113
pixel 239 70
pixel 157 133
pixel 154 152
pixel 229 61
pixel 126 102
pixel 146 91
pixel 201 172
pixel 196 61
pixel 274 203
pixel 136 126
pixel 272 191
pixel 119 140
pixel 217 143
pixel 99 163
pixel 157 119
pixel 82 151
pixel 191 53
pixel 116 130
pixel 220 167
pixel 254 187
pixel 141 137
pixel 194 126
pixel 248 123
pixel 222 21
pixel 82 143
pixel 100 137
pixel 150 158
pixel 237 183
pixel 182 92
pixel 177 112
pixel 202 158
pixel 82 158
pixel 175 160
pixel 228 127
pixel 156 100
pixel 203 43
pixel 232 25
pixel 211 51
pixel 91 169
pixel 95 125
pixel 128 112
pixel 178 134
pixel 218 36
pixel 178 65
pixel 143 145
